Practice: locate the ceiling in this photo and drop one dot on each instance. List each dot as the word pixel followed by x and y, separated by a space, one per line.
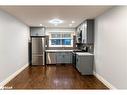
pixel 36 15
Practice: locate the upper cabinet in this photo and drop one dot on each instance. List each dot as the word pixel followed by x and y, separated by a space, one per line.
pixel 85 32
pixel 37 31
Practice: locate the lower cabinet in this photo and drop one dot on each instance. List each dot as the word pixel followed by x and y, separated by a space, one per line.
pixel 84 64
pixel 64 58
pixel 67 57
pixel 59 58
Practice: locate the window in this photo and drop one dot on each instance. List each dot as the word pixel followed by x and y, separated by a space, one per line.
pixel 66 41
pixel 62 39
pixel 55 41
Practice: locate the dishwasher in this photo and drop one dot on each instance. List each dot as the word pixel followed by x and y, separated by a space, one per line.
pixel 51 58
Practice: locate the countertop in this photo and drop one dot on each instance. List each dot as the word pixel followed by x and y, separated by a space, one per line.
pixel 83 53
pixel 58 50
pixel 78 53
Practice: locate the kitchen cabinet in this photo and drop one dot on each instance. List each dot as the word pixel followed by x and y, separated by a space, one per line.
pixel 37 31
pixel 84 64
pixel 68 57
pixel 64 58
pixel 58 57
pixel 78 36
pixel 85 32
pixel 89 31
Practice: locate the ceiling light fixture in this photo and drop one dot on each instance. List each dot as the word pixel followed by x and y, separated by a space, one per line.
pixel 73 22
pixel 56 21
pixel 41 25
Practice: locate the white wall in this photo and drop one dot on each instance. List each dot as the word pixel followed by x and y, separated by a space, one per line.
pixel 13 45
pixel 111 46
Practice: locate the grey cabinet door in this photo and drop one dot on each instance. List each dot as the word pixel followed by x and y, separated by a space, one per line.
pixel 70 54
pixel 84 64
pixel 64 57
pixel 78 63
pixel 90 31
pixel 59 58
pixel 37 31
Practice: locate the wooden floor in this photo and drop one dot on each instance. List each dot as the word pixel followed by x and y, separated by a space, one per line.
pixel 54 77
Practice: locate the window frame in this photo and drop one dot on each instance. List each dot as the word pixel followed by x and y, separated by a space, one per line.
pixel 62 33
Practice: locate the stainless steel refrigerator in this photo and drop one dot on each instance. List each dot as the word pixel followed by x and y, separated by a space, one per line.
pixel 38 51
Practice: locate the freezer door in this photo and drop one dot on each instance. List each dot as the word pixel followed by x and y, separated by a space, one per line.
pixel 38 51
pixel 37 60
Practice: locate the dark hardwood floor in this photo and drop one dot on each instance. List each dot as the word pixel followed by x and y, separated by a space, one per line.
pixel 54 77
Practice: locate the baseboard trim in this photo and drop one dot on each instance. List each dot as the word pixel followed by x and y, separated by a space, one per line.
pixel 104 81
pixel 4 82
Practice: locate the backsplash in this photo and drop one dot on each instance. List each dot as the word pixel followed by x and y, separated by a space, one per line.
pixel 85 47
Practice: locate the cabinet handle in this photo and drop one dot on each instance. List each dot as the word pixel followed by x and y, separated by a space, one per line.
pixel 77 59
